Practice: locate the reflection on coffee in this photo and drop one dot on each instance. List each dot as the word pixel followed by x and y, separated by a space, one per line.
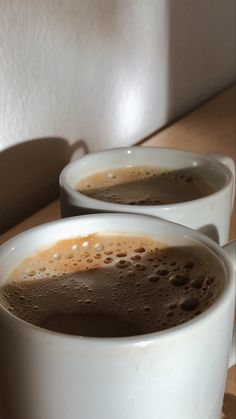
pixel 110 286
pixel 147 185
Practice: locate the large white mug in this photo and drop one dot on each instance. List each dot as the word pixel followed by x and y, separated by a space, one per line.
pixel 210 214
pixel 178 373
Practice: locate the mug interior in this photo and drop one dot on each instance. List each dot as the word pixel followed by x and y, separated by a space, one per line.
pixel 42 237
pixel 28 243
pixel 163 158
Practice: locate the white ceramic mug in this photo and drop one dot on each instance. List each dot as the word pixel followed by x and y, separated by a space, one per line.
pixel 178 373
pixel 210 214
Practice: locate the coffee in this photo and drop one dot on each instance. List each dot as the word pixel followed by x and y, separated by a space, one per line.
pixel 110 286
pixel 147 185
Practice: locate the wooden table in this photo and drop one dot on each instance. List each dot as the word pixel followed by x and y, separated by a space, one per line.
pixel 211 127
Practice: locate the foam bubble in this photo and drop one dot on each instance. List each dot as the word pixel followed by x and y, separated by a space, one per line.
pixel 121 254
pixel 122 264
pixel 56 256
pixel 85 255
pixel 190 303
pixel 69 256
pixel 31 272
pixel 75 248
pixel 70 284
pixel 189 264
pixel 98 247
pixel 140 249
pixel 210 280
pixel 179 280
pixel 136 257
pixel 111 175
pixel 108 252
pixel 85 244
pixel 153 278
pixel 108 260
pixel 98 256
pixel 197 282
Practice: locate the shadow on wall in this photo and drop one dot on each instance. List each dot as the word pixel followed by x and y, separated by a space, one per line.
pixel 211 231
pixel 29 174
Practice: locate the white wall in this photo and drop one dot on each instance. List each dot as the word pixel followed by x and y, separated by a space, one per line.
pixel 108 71
pixel 82 69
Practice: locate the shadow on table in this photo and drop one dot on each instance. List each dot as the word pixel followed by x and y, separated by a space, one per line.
pixel 229 406
pixel 29 173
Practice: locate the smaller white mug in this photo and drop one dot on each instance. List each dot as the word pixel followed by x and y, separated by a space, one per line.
pixel 210 214
pixel 178 373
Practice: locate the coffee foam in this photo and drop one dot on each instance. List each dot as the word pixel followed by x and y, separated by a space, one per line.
pixel 137 185
pixel 134 279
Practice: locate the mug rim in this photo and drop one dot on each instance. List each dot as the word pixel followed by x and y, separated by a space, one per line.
pixel 141 339
pixel 93 203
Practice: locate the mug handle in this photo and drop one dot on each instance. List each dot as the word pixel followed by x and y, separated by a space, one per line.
pixel 230 250
pixel 227 161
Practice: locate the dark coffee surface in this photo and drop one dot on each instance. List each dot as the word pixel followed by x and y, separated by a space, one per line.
pixel 147 185
pixel 110 286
